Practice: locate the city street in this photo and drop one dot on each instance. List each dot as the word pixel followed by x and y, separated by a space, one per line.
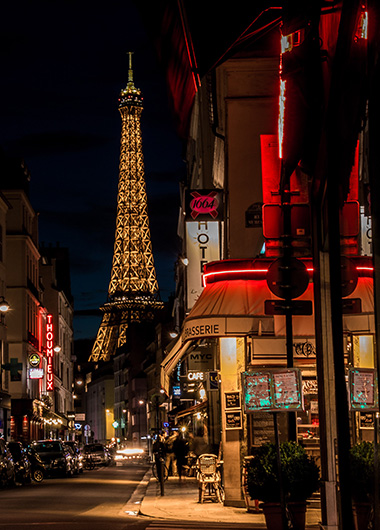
pixel 93 500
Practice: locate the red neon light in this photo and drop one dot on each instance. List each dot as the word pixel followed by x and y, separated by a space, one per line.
pixel 229 273
pixel 49 353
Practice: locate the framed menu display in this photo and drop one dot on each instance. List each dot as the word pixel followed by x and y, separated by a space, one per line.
pixel 363 389
pixel 232 400
pixel 234 420
pixel 287 386
pixel 273 390
pixel 257 391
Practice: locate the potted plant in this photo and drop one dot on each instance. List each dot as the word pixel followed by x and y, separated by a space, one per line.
pixel 300 477
pixel 362 483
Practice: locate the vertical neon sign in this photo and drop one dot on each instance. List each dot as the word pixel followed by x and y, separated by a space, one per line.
pixel 49 353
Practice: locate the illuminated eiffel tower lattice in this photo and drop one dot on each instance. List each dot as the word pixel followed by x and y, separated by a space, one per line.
pixel 133 288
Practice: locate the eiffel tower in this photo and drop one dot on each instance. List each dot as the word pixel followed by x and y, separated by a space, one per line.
pixel 133 288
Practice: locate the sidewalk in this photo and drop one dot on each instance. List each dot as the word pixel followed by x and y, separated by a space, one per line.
pixel 180 501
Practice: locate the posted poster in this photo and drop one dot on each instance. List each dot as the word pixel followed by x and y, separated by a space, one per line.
pixel 363 389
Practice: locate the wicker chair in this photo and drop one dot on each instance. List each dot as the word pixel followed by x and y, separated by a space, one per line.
pixel 209 478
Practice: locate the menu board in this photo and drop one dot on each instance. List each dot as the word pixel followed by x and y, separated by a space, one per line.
pixel 234 420
pixel 257 391
pixel 273 390
pixel 232 400
pixel 286 389
pixel 363 389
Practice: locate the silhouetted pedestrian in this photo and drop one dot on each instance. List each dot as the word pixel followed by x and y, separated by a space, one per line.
pixel 181 448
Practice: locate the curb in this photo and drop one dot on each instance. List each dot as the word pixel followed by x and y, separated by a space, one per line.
pixel 133 506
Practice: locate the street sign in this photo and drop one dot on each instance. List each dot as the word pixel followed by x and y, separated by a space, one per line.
pixel 295 307
pixel 287 278
pixel 351 306
pixel 349 276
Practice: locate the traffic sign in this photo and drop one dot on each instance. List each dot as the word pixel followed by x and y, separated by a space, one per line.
pixel 287 278
pixel 295 307
pixel 349 276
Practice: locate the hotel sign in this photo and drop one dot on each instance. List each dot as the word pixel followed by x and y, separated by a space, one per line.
pixel 202 246
pixel 49 353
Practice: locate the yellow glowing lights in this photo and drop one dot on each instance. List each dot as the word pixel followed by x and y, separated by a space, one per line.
pixel 133 285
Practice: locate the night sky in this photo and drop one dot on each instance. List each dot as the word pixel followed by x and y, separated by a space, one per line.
pixel 63 66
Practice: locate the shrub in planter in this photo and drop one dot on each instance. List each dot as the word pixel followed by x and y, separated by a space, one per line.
pixel 300 478
pixel 300 473
pixel 362 483
pixel 362 472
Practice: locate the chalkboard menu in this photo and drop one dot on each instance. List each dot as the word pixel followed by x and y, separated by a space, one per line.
pixel 232 400
pixel 234 420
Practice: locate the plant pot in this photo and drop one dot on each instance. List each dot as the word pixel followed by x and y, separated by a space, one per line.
pixel 272 513
pixel 362 515
pixel 273 516
pixel 297 512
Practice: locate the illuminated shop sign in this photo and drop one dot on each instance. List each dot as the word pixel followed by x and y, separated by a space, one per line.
pixel 195 376
pixel 202 246
pixel 34 360
pixel 36 373
pixel 49 353
pixel 204 204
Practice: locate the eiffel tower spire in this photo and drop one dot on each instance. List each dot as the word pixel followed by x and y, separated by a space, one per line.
pixel 133 288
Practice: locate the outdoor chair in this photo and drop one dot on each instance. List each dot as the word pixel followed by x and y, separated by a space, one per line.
pixel 209 478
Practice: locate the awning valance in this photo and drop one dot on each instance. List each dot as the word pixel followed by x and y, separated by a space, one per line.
pixel 171 360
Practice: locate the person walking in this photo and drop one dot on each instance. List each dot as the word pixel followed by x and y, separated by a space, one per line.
pixel 170 460
pixel 181 449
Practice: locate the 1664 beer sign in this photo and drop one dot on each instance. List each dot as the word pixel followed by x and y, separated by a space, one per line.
pixel 49 353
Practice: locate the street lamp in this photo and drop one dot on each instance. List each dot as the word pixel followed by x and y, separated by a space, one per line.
pixel 4 306
pixel 141 402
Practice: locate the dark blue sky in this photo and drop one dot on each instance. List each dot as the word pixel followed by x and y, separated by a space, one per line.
pixel 63 65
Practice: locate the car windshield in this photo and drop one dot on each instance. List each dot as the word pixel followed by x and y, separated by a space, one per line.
pixel 47 447
pixel 93 447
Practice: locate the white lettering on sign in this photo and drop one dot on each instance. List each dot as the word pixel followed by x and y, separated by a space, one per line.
pixel 49 353
pixel 195 376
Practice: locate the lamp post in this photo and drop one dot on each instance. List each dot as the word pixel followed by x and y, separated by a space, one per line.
pixel 141 402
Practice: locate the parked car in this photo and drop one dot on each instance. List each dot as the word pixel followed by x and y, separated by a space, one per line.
pixel 38 468
pixel 7 468
pixel 22 465
pixel 98 453
pixel 76 457
pixel 56 457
